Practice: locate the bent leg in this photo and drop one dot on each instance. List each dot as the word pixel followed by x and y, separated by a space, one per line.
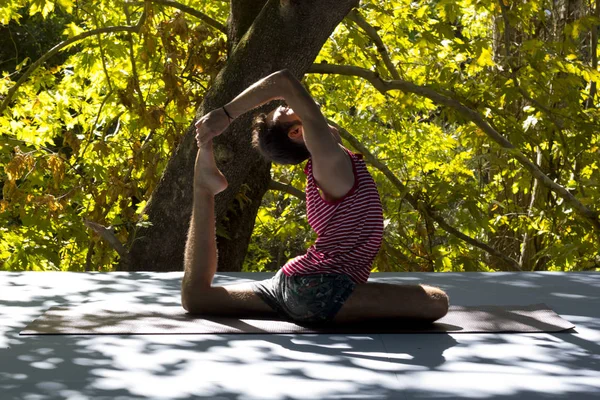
pixel 198 296
pixel 384 301
pixel 237 300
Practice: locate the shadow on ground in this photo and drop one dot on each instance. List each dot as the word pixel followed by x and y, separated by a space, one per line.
pixel 499 366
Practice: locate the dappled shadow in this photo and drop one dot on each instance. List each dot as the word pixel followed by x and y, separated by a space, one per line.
pixel 532 366
pixel 220 366
pixel 133 318
pixel 529 366
pixel 168 366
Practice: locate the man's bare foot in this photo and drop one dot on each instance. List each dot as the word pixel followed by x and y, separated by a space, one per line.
pixel 206 174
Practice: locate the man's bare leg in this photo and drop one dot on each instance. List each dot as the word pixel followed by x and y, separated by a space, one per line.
pixel 387 301
pixel 198 296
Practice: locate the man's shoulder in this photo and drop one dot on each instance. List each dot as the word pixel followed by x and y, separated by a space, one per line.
pixel 334 174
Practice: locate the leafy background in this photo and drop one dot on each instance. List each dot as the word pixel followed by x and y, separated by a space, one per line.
pixel 87 135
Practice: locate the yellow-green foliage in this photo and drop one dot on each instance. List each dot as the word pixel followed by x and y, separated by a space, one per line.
pixel 88 138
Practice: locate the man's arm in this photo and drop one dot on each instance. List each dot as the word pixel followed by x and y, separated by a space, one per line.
pixel 271 87
pixel 332 167
pixel 283 85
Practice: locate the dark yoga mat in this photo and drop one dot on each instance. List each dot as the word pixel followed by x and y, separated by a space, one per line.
pixel 110 318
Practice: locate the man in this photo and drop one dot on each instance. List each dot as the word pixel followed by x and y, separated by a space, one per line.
pixel 329 283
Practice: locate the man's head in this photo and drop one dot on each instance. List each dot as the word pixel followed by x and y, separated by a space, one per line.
pixel 279 136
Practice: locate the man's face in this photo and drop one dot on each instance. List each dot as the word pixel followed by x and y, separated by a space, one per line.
pixel 285 115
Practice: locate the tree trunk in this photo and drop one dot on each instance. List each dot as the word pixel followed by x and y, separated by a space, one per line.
pixel 241 16
pixel 240 220
pixel 285 34
pixel 507 38
pixel 528 246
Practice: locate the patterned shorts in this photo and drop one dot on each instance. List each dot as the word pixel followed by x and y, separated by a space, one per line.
pixel 305 299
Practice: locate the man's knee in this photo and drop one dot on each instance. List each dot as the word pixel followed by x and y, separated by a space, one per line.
pixel 438 302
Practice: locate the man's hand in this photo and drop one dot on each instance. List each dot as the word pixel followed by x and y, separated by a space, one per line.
pixel 211 125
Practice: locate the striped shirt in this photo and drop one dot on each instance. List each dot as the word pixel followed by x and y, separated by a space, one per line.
pixel 349 230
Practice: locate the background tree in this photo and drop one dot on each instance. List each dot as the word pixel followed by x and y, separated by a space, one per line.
pixel 477 118
pixel 278 35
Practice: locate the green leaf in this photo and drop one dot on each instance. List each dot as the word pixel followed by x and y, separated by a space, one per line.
pixel 421 11
pixel 22 64
pixel 73 30
pixel 44 7
pixel 67 5
pixel 485 59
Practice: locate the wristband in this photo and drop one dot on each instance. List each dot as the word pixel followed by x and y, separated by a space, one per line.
pixel 226 113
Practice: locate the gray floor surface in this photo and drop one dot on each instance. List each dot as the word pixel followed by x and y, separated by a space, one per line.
pixel 383 366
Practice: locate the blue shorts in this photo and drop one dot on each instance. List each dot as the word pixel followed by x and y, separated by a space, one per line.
pixel 305 299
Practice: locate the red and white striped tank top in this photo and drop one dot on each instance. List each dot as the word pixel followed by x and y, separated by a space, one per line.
pixel 349 230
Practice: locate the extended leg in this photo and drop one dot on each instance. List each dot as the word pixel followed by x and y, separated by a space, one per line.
pixel 384 300
pixel 198 296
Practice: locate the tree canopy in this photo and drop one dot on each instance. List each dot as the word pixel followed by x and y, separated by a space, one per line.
pixel 479 121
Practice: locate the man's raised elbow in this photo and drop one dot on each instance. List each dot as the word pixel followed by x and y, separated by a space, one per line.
pixel 191 306
pixel 285 77
pixel 285 73
pixel 196 297
pixel 185 302
pixel 188 297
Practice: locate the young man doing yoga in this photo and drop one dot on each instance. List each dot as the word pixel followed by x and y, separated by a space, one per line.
pixel 329 283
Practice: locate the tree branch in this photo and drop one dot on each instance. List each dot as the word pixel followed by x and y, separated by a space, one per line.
pixel 594 49
pixel 507 46
pixel 282 187
pixel 472 115
pixel 355 17
pixel 103 58
pixel 90 137
pixel 188 10
pixel 507 31
pixel 60 46
pixel 136 80
pixel 419 205
pixel 108 234
pixel 556 118
pixel 88 256
pixel 350 70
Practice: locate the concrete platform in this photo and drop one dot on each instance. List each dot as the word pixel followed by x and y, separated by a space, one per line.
pixel 382 366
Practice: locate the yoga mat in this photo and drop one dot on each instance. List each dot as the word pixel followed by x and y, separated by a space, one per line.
pixel 110 318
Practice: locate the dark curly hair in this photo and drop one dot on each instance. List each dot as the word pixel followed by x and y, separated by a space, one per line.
pixel 273 143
